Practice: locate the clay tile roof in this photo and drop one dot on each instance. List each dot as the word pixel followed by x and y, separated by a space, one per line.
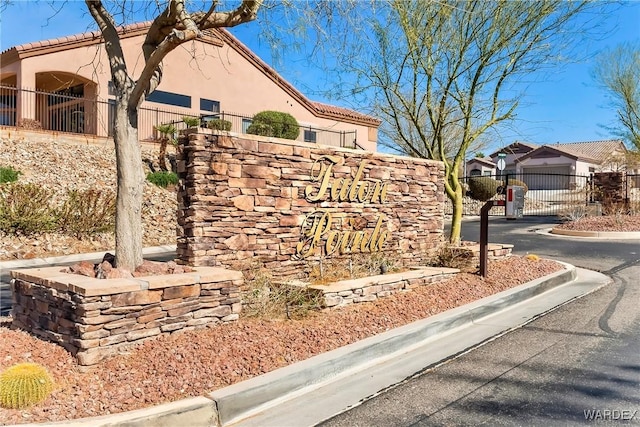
pixel 591 150
pixel 486 160
pixel 60 40
pixel 517 147
pixel 75 38
pixel 344 112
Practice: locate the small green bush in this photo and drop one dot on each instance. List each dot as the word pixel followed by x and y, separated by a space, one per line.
pixel 26 209
pixel 219 124
pixel 261 129
pixel 87 212
pixel 483 188
pixel 8 174
pixel 162 178
pixel 283 125
pixel 191 121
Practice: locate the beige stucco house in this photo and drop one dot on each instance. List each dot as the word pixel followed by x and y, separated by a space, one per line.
pixel 64 84
pixel 535 164
pixel 480 167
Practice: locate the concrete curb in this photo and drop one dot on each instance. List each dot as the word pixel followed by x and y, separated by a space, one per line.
pixel 243 400
pixel 247 398
pixel 622 235
pixel 192 412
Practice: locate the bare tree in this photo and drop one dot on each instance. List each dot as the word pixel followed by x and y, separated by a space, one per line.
pixel 443 74
pixel 617 71
pixel 173 26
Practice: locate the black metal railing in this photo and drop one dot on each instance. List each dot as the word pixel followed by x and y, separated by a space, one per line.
pixel 74 114
pixel 547 194
pixel 565 195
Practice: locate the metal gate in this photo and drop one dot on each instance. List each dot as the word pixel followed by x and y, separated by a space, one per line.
pixel 548 194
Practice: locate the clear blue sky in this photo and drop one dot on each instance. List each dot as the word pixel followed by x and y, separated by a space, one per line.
pixel 566 107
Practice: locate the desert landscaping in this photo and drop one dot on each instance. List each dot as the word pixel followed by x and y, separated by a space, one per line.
pixel 192 363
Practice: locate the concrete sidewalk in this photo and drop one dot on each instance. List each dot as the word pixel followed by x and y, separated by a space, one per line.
pixel 308 392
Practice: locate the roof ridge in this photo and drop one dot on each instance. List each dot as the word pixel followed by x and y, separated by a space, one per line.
pixel 86 35
pixel 584 142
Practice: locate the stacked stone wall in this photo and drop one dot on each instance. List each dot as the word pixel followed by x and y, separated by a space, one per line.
pixel 284 205
pixel 95 318
pixel 367 289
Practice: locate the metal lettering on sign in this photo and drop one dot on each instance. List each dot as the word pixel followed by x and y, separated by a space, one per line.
pixel 336 232
pixel 343 189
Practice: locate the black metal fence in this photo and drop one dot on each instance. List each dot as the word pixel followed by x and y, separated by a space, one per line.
pixel 569 196
pixel 62 112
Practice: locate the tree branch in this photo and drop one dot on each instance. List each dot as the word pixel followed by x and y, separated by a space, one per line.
pixel 111 42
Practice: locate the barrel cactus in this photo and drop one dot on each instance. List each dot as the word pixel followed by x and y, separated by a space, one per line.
pixel 24 384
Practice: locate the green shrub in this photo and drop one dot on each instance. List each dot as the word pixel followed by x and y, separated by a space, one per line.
pixel 23 385
pixel 282 125
pixel 162 178
pixel 261 129
pixel 483 188
pixel 26 209
pixel 219 124
pixel 166 130
pixel 191 121
pixel 8 174
pixel 87 212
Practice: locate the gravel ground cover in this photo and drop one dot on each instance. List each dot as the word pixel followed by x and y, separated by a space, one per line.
pixel 194 363
pixel 63 166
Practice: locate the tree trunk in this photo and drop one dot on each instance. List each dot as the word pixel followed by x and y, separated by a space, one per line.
pixel 130 187
pixel 162 156
pixel 454 192
pixel 456 218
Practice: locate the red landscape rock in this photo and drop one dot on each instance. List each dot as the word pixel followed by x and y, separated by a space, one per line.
pixel 200 361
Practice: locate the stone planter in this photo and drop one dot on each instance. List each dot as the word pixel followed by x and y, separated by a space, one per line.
pixel 95 318
pixel 371 288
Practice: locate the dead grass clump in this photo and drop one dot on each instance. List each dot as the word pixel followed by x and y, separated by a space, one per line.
pixel 452 256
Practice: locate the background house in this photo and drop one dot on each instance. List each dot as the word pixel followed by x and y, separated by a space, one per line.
pixel 488 165
pixel 64 84
pixel 481 167
pixel 554 166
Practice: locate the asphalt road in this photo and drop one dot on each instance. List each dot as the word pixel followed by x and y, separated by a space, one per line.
pixel 578 365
